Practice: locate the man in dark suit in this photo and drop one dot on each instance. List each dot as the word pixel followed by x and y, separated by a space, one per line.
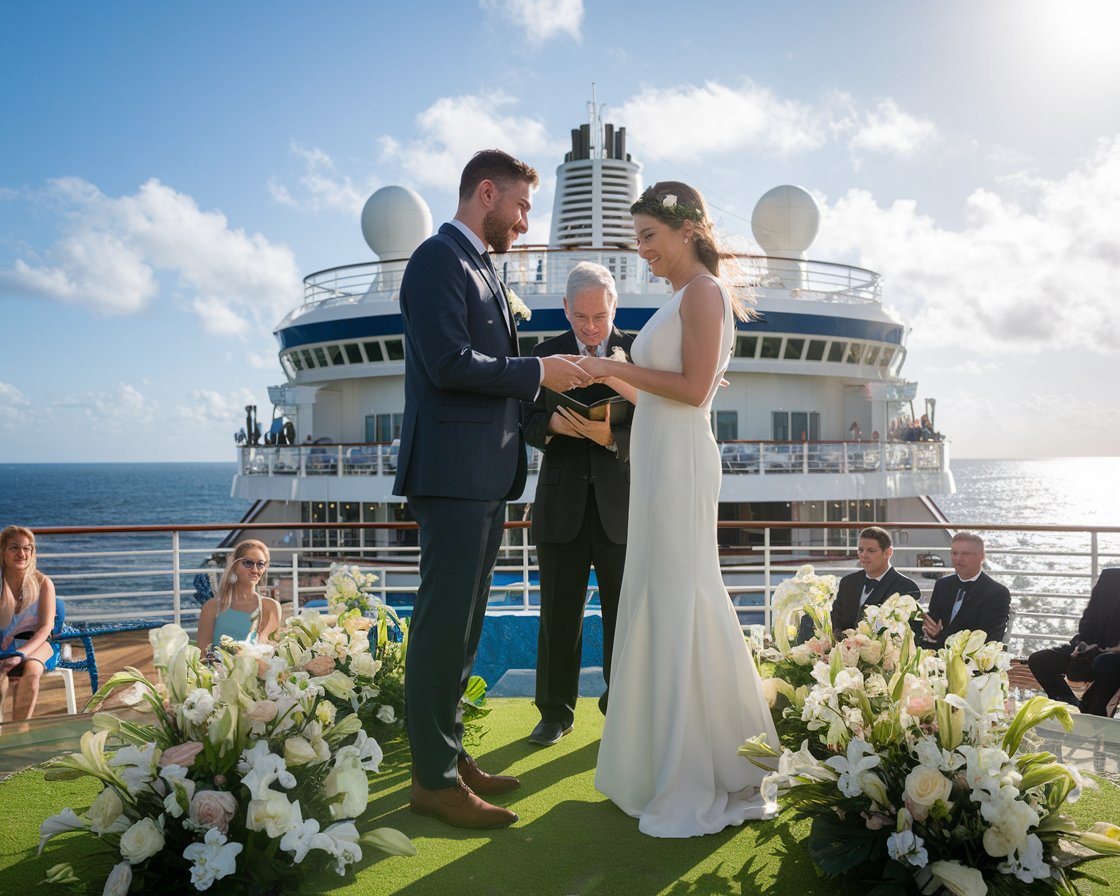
pixel 581 505
pixel 970 600
pixel 877 581
pixel 1097 638
pixel 462 456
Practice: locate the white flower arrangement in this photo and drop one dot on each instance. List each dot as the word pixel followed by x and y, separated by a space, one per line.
pixel 808 593
pixel 348 588
pixel 909 757
pixel 248 772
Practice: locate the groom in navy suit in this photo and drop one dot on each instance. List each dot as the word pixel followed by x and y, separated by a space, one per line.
pixel 461 457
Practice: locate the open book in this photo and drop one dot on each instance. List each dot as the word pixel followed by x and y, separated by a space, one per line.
pixel 597 410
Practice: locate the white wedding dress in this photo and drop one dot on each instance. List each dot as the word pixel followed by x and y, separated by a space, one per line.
pixel 685 692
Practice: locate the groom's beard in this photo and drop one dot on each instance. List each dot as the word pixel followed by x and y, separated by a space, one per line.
pixel 497 232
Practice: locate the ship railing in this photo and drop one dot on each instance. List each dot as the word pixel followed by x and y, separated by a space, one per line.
pixel 121 573
pixel 737 458
pixel 540 270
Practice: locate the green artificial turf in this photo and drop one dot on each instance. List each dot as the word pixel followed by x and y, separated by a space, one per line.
pixel 569 839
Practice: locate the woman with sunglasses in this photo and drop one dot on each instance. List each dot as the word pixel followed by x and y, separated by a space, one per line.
pixel 26 618
pixel 239 610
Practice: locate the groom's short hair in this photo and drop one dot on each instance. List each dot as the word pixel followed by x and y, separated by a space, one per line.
pixel 497 166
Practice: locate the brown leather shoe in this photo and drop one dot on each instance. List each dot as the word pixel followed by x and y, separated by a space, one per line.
pixel 458 806
pixel 480 782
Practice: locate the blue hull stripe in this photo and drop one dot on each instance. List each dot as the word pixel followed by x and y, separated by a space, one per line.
pixel 552 319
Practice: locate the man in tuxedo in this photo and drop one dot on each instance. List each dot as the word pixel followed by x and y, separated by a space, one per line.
pixel 877 581
pixel 970 600
pixel 582 502
pixel 1098 638
pixel 461 457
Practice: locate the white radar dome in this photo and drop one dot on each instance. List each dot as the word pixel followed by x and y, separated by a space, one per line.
pixel 395 221
pixel 786 220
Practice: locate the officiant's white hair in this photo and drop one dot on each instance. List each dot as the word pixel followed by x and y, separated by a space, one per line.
pixel 587 275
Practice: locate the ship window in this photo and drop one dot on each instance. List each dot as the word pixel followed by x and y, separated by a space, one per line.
pixel 885 358
pixel 746 346
pixel 872 355
pixel 373 351
pixel 779 426
pixel 855 350
pixel 725 425
pixel 293 359
pixel 336 355
pixel 836 352
pixel 320 357
pixel 771 347
pixel 394 348
pixel 796 426
pixel 386 427
pixel 816 350
pixel 308 360
pixel 353 352
pixel 794 349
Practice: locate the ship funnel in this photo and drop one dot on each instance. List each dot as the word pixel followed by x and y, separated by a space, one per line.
pixel 785 223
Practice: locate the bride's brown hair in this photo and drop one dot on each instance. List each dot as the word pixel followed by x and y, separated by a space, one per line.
pixel 673 202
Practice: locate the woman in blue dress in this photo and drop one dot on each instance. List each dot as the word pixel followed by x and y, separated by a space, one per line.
pixel 26 620
pixel 239 610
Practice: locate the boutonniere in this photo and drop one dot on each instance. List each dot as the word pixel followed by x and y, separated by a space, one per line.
pixel 516 307
pixel 618 353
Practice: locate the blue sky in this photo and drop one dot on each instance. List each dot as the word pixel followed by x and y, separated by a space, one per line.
pixel 169 172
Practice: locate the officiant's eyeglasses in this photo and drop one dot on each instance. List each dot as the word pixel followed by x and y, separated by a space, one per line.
pixel 262 565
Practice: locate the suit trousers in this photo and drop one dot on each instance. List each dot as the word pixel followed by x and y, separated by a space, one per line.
pixel 459 542
pixel 565 571
pixel 1049 668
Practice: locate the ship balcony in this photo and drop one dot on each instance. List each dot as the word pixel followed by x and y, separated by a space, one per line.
pixel 540 270
pixel 752 471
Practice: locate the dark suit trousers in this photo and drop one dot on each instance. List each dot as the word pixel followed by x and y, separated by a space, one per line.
pixel 565 570
pixel 459 541
pixel 1049 669
pixel 1106 682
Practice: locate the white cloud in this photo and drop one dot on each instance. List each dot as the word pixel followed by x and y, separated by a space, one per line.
pixel 453 129
pixel 14 407
pixel 113 250
pixel 689 122
pixel 886 129
pixel 320 187
pixel 1030 269
pixel 541 19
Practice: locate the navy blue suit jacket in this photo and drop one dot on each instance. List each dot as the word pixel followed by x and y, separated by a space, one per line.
pixel 463 381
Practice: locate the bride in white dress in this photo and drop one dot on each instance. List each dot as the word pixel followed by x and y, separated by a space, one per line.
pixel 685 692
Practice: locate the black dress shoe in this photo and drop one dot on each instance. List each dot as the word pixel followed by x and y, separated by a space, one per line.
pixel 603 702
pixel 548 733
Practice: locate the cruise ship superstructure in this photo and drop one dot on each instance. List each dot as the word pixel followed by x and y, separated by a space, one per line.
pixel 806 423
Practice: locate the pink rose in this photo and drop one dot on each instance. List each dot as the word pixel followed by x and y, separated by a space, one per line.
pixel 319 666
pixel 181 754
pixel 213 809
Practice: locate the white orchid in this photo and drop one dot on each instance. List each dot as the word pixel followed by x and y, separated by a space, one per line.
pixel 212 859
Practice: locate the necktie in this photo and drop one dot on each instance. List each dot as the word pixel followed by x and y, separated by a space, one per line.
pixel 488 262
pixel 962 592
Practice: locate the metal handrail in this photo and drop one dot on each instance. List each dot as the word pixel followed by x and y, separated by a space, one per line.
pixel 751 574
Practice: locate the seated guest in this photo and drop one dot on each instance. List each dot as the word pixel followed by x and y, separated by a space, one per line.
pixel 1097 647
pixel 970 600
pixel 239 610
pixel 874 584
pixel 26 619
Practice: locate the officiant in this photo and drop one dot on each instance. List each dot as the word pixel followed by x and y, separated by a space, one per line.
pixel 582 501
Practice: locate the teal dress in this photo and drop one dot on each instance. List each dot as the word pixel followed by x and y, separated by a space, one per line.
pixel 237 624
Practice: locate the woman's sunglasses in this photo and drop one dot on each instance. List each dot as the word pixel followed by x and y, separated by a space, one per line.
pixel 262 565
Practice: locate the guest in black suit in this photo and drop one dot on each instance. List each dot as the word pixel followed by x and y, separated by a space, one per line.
pixel 462 456
pixel 970 600
pixel 874 584
pixel 1098 637
pixel 581 506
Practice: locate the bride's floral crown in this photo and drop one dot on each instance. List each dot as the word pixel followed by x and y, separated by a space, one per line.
pixel 666 207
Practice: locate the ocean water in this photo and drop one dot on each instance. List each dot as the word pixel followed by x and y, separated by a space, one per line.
pixel 1055 491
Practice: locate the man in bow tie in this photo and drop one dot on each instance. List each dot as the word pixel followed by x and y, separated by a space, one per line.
pixel 461 457
pixel 877 581
pixel 970 600
pixel 581 505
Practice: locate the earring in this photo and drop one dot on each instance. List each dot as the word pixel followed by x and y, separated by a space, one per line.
pixel 233 578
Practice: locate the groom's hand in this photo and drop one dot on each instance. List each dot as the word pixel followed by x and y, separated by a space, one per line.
pixel 560 375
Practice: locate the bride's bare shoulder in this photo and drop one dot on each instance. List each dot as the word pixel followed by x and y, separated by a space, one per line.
pixel 702 292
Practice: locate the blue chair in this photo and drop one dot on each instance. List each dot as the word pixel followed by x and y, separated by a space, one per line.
pixel 65 667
